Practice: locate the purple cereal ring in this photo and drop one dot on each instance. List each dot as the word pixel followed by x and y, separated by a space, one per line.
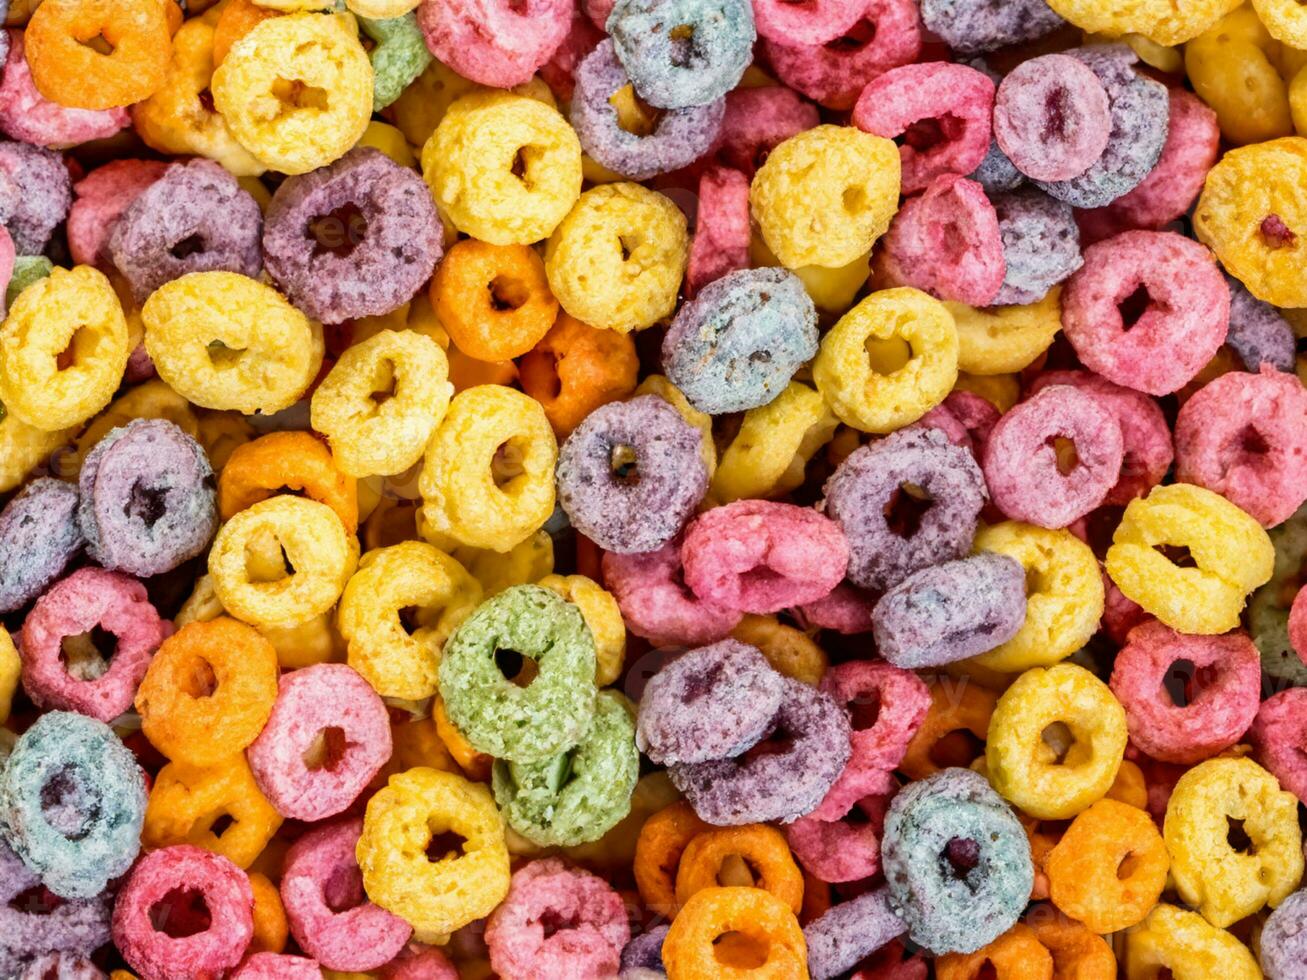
pixel 148 498
pixel 806 22
pixel 1139 108
pixel 887 36
pixel 1028 479
pixel 1041 245
pixel 499 43
pixel 1258 333
pixel 367 263
pixel 906 502
pixel 947 242
pixel 35 193
pixel 711 703
pixel 721 230
pixel 782 777
pixel 195 218
pixel 761 556
pixel 846 610
pixel 951 611
pixel 557 922
pixel 39 536
pixel 1147 452
pixel 60 966
pixel 328 913
pixel 1198 713
pixel 101 198
pixel 631 474
pixel 656 604
pixel 276 966
pixel 971 26
pixel 941 110
pixel 330 710
pixel 836 849
pixel 1052 117
pixel 1278 734
pixel 87 599
pixel 1147 310
pixel 645 951
pixel 1244 436
pixel 27 115
pixel 850 931
pixel 164 884
pixel 756 121
pixel 1282 945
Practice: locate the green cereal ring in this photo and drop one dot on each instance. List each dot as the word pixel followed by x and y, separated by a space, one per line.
pixel 27 270
pixel 531 723
pixel 400 56
pixel 1268 611
pixel 579 795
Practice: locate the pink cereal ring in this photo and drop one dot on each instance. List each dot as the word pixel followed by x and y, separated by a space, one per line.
pixel 1298 624
pixel 331 710
pixel 942 111
pixel 1244 436
pixel 88 598
pixel 965 418
pixel 499 43
pixel 1221 691
pixel 328 912
pixel 656 604
pixel 1279 734
pixel 598 11
pixel 426 963
pixel 559 72
pixel 1052 117
pixel 27 115
pixel 1120 615
pixel 947 242
pixel 756 120
pixel 846 610
pixel 1147 310
pixel 276 966
pixel 557 922
pixel 721 234
pixel 100 199
pixel 887 36
pixel 760 556
pixel 835 849
pixel 807 21
pixel 166 884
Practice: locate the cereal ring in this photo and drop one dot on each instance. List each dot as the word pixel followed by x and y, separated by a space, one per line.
pixel 292 461
pixel 27 115
pixel 843 844
pixel 224 341
pixel 101 198
pixel 1088 956
pixel 1041 245
pixel 274 966
pixel 1277 733
pixel 400 55
pixel 1141 291
pixel 997 340
pixel 1258 333
pixel 1183 942
pixel 493 300
pixel 1281 947
pixel 72 800
pixel 602 616
pixel 494 42
pixel 657 605
pixel 1052 118
pixel 816 23
pixel 39 536
pixel 1161 21
pixel 1017 953
pixel 76 927
pixel 35 194
pixel 721 236
pixel 1283 20
pixel 971 26
pixel 761 847
pixel 576 368
pixel 658 848
pixel 644 952
pixel 771 944
pixel 681 53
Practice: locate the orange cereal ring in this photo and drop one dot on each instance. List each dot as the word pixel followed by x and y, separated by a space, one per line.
pixel 816 898
pixel 768 943
pixel 493 300
pixel 465 371
pixel 763 849
pixel 70 71
pixel 663 839
pixel 576 368
pixel 1078 954
pixel 292 460
pixel 270 926
pixel 953 733
pixel 238 18
pixel 1016 955
pixel 208 691
pixel 1043 838
pixel 476 765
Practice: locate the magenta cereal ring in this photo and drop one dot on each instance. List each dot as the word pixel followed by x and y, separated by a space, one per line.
pixel 420 963
pixel 807 22
pixel 328 913
pixel 276 966
pixel 89 598
pixel 1186 308
pixel 846 610
pixel 756 121
pixel 1041 245
pixel 1027 477
pixel 836 849
pixel 887 36
pixel 27 115
pixel 1147 452
pixel 1244 436
pixel 721 232
pixel 710 703
pixel 1258 332
pixel 1052 117
pixel 965 418
pixel 656 604
pixel 941 110
pixel 559 72
pixel 336 270
pixel 163 886
pixel 35 193
pixel 499 43
pixel 947 242
pixel 1278 734
pixel 558 922
pixel 761 556
pixel 75 926
pixel 906 502
pixel 39 536
pixel 1220 687
pixel 326 710
pixel 101 198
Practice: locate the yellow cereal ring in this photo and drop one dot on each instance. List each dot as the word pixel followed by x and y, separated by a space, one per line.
pixel 1187 947
pixel 390 581
pixel 401 821
pixel 296 91
pixel 602 615
pixel 657 384
pixel 1163 21
pixel 877 401
pixel 526 562
pixel 1223 878
pixel 10 668
pixel 488 479
pixel 71 315
pixel 790 651
pixel 23 447
pixel 770 453
pixel 421 106
pixel 1232 67
pixel 1000 390
pixel 1004 339
pixel 381 401
pixel 225 341
pixel 1055 775
pixel 825 195
pixel 505 168
pixel 1285 19
pixel 1229 553
pixel 1064 595
pixel 322 558
pixel 152 400
pixel 832 290
pixel 381 9
pixel 617 259
pixel 390 141
pixel 221 433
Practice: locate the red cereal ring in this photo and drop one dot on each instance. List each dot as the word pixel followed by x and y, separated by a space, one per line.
pixel 655 603
pixel 1279 733
pixel 721 233
pixel 755 122
pixel 836 849
pixel 814 22
pixel 276 966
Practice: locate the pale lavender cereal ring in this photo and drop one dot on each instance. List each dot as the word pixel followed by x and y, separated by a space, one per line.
pixel 1052 117
pixel 849 932
pixel 39 536
pixel 1257 331
pixel 1041 245
pixel 969 26
pixel 656 604
pixel 35 193
pixel 645 951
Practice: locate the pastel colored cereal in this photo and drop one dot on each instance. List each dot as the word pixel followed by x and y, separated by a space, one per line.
pixel 656 603
pixel 73 927
pixel 494 42
pixel 1257 331
pixel 1041 246
pixel 35 194
pixel 39 536
pixel 1052 118
pixel 968 26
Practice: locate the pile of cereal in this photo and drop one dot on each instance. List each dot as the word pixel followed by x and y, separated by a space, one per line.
pixel 703 489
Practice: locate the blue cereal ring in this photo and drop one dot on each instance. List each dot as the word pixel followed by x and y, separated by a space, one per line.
pixel 399 57
pixel 39 536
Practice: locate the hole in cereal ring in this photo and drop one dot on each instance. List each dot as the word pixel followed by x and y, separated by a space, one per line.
pixel 627 246
pixel 338 232
pixel 854 198
pixel 906 508
pixel 326 750
pixel 1129 864
pixel 1247 442
pixel 81 346
pixel 740 950
pixel 508 293
pixel 736 871
pixel 962 854
pixel 445 845
pixel 1065 450
pixel 1237 837
pixel 683 51
pixel 1134 306
pixel 99 44
pixel 383 386
pixel 956 748
pixel 554 921
pixel 887 355
pixel 409 619
pixel 524 160
pixel 1275 233
pixel 1176 681
pixel 221 356
pixel 37 900
pixel 864 711
pixel 925 134
pixel 206 100
pixel 199 680
pixel 343 889
pixel 858 36
pixel 293 95
pixel 1177 554
pixel 86 656
pixel 188 246
pixel 1055 113
pixel 180 913
pixel 66 805
pixel 508 463
pixel 988 971
pixel 1035 582
pixel 516 668
pixel 147 503
pixel 267 561
pixel 223 824
pixel 634 115
pixel 1060 741
pixel 625 464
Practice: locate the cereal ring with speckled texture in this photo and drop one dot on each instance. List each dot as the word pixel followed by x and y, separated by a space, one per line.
pixel 39 536
pixel 772 944
pixel 721 234
pixel 576 368
pixel 276 966
pixel 1185 943
pixel 1258 332
pixel 399 56
pixel 843 844
pixel 603 617
pixel 1283 947
pixel 844 934
pixel 286 461
pixel 769 455
pixel 1052 118
pixel 320 114
pixel 495 42
pixel 101 198
pixel 999 340
pixel 78 927
pixel 656 603
pixel 1277 733
pixel 1016 955
pixel 971 26
pixel 1162 21
pixel 27 115
pixel 1186 312
pixel 761 847
pixel 806 23
pixel 493 300
pixel 1041 245
pixel 35 194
